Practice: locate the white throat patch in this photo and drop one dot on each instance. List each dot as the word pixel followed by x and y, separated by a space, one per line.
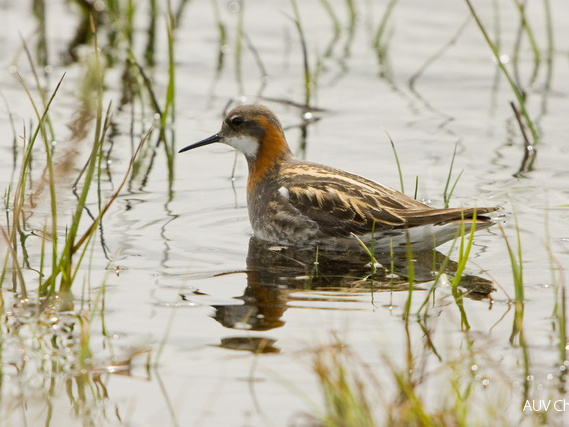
pixel 245 144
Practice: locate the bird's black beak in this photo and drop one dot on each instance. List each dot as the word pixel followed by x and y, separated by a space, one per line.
pixel 207 141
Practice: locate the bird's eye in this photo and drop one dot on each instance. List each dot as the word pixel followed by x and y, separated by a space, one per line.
pixel 236 121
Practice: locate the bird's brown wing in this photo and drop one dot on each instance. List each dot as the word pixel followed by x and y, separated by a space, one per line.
pixel 342 203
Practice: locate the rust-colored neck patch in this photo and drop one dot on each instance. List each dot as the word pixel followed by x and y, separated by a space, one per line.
pixel 273 149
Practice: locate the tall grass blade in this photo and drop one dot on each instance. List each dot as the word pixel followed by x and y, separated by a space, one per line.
pixel 239 48
pixel 463 254
pixel 447 194
pixel 517 92
pixel 308 83
pixel 378 40
pixel 529 151
pixel 410 279
pixel 16 266
pixel 222 36
pixel 20 189
pixel 397 162
pixel 524 25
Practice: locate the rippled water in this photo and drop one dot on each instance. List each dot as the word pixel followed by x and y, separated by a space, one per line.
pixel 233 324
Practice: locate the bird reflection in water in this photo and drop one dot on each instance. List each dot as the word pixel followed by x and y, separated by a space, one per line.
pixel 275 273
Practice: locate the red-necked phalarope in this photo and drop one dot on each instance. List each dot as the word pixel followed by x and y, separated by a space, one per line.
pixel 298 203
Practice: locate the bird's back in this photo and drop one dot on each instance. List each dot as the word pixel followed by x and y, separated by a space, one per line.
pixel 301 202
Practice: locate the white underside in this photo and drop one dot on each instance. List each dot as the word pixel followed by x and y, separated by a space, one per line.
pixel 422 238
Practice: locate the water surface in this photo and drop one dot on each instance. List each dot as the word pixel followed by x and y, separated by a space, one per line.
pixel 231 326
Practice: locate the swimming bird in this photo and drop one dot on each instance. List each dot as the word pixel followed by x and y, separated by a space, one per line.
pixel 293 202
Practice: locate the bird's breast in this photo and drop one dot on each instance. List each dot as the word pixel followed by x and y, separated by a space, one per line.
pixel 273 218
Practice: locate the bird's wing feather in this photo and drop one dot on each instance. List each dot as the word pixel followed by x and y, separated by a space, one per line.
pixel 342 203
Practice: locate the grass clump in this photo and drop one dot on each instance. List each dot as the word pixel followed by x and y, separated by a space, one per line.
pixel 357 394
pixel 47 338
pixel 66 252
pixel 346 400
pixel 41 264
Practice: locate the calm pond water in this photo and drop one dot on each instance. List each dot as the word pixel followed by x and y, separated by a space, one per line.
pixel 191 321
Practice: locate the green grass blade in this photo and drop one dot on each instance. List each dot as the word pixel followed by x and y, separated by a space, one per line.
pixel 517 92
